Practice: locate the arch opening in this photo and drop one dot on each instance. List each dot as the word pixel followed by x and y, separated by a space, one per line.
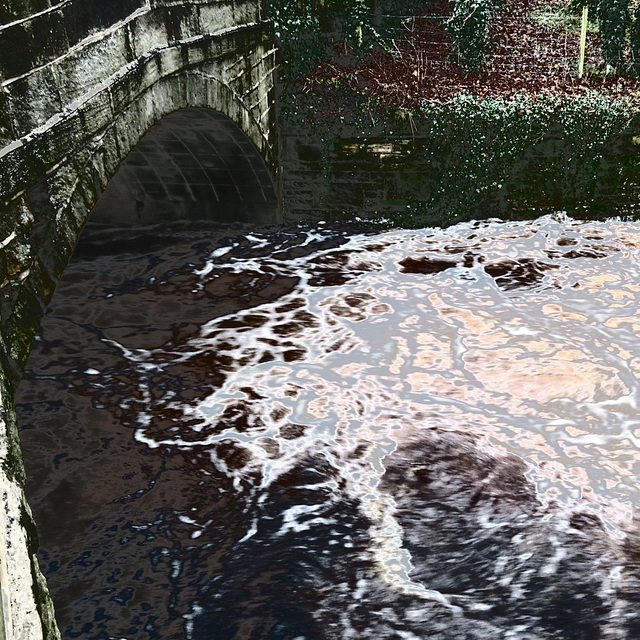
pixel 194 164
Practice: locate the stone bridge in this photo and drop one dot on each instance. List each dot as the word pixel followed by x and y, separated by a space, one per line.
pixel 82 82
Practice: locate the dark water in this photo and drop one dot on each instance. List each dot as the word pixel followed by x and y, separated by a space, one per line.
pixel 328 433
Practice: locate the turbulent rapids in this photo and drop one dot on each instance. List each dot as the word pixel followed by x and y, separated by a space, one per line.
pixel 330 432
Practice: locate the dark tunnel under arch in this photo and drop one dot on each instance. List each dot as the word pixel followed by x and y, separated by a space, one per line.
pixel 194 164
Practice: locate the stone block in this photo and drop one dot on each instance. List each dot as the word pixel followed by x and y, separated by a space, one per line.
pixel 105 157
pixel 196 91
pixel 148 108
pixel 42 233
pixel 6 126
pixel 39 202
pixel 55 142
pixel 78 20
pixel 162 98
pixel 65 234
pixel 128 130
pixel 8 294
pixel 15 164
pixel 43 282
pixel 217 16
pixel 247 11
pixel 16 220
pixel 215 50
pixel 172 94
pixel 148 33
pixel 195 53
pixel 3 269
pixel 127 89
pixel 49 36
pixel 181 22
pixel 94 114
pixel 254 100
pixel 33 99
pixel 91 64
pixel 61 185
pixel 170 60
pixel 85 185
pixel 21 326
pixel 80 204
pixel 16 256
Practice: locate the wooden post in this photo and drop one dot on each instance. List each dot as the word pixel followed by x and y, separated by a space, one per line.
pixel 583 40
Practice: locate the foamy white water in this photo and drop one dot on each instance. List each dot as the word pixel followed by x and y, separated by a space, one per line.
pixel 456 411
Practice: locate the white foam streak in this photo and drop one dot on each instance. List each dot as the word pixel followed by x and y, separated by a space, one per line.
pixel 548 372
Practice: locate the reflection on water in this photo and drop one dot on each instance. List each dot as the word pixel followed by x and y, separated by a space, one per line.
pixel 319 433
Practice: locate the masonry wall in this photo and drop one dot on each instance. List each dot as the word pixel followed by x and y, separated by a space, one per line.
pixel 395 170
pixel 81 83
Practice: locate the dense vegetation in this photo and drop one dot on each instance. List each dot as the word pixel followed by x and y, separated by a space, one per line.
pixel 477 145
pixel 307 29
pixel 478 154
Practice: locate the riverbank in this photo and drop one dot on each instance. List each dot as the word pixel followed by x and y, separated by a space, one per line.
pixel 407 134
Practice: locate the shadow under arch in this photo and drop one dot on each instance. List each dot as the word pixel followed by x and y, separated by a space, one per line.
pixel 194 164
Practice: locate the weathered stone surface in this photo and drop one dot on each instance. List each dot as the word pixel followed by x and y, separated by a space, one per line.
pixel 27 609
pixel 83 81
pixel 11 10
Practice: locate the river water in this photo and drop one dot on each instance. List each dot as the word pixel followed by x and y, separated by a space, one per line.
pixel 333 431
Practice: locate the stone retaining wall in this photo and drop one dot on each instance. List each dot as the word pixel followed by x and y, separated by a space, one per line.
pixel 389 171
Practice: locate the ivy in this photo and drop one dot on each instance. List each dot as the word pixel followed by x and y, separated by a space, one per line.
pixel 486 144
pixel 298 31
pixel 478 150
pixel 469 30
pixel 613 21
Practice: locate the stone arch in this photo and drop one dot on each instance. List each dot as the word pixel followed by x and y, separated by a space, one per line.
pixel 69 115
pixel 45 218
